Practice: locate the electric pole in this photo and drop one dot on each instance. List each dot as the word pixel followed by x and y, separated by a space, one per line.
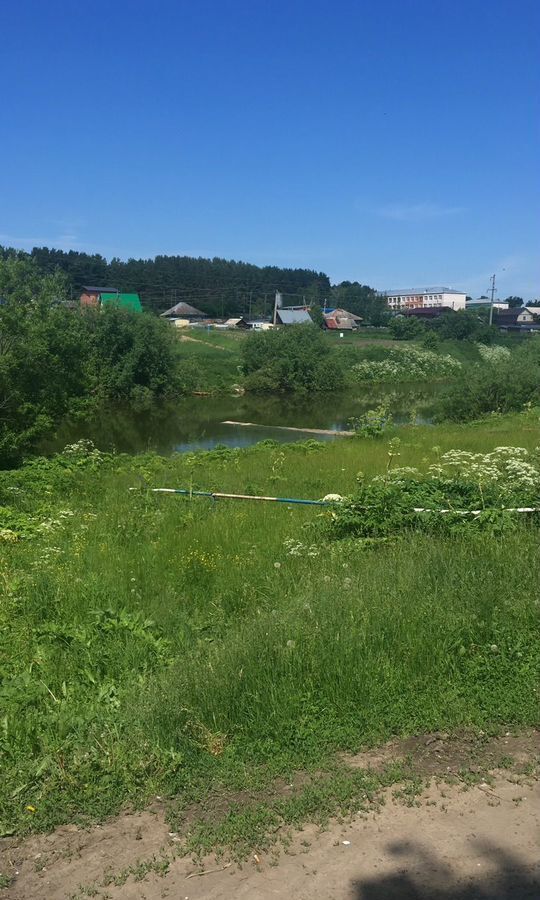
pixel 492 290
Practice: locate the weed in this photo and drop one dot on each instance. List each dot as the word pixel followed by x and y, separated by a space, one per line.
pixel 150 646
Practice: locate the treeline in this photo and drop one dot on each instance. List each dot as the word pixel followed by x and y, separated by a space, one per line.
pixel 218 287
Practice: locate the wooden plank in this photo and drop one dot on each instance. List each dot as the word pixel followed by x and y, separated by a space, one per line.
pixel 290 428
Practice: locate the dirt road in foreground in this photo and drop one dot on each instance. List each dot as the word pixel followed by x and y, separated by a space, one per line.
pixel 455 841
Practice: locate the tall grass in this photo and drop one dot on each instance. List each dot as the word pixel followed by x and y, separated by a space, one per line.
pixel 148 639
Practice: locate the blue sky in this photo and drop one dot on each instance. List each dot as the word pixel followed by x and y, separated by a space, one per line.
pixel 395 143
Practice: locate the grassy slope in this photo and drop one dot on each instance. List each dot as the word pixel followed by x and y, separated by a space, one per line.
pixel 149 643
pixel 217 355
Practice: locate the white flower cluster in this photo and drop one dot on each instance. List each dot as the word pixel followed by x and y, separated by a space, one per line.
pixel 51 524
pixel 406 363
pixel 83 448
pixel 297 548
pixel 507 466
pixel 493 354
pixel 399 475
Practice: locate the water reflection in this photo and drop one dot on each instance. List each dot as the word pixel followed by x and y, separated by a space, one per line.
pixel 197 423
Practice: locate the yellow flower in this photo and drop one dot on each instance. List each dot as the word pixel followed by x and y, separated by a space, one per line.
pixel 31 809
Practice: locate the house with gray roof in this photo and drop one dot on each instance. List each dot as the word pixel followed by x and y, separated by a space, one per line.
pixel 293 316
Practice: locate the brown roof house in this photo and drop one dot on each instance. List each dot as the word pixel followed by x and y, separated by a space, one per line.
pixel 516 319
pixel 183 311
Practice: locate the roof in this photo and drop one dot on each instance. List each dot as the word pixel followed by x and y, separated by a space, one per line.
pixel 99 290
pixel 401 292
pixel 235 321
pixel 341 319
pixel 341 314
pixel 511 314
pixel 128 301
pixel 294 316
pixel 429 312
pixel 182 310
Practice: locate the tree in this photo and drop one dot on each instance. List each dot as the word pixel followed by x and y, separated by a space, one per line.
pixel 514 302
pixel 316 314
pixel 296 358
pixel 463 325
pixel 217 286
pixel 41 365
pixel 56 361
pixel 405 328
pixel 362 300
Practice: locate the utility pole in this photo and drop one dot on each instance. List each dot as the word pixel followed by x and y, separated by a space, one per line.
pixel 492 290
pixel 277 305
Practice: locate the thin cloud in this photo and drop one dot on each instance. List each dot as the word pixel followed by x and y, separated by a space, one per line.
pixel 417 212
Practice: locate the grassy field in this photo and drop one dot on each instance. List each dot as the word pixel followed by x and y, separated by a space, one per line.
pixel 152 644
pixel 216 356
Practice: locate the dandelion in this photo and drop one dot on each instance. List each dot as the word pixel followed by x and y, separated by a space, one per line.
pixel 493 648
pixel 291 645
pixel 327 578
pixel 277 565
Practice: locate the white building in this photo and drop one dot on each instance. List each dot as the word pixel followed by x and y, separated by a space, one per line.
pixel 415 298
pixel 485 303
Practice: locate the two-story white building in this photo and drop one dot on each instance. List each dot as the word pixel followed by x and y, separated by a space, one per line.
pixel 417 298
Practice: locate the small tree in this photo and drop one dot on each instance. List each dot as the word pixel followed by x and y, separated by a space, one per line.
pixel 316 314
pixel 296 358
pixel 405 328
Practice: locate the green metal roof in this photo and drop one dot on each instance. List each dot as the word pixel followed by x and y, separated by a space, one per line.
pixel 129 301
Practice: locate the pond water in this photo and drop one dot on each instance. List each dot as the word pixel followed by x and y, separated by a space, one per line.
pixel 197 423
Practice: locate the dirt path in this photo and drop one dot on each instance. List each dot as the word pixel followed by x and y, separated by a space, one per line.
pixel 184 337
pixel 449 842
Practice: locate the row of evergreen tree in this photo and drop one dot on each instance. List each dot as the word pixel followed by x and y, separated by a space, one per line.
pixel 218 287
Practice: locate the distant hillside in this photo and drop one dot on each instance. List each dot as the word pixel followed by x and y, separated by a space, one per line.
pixel 217 286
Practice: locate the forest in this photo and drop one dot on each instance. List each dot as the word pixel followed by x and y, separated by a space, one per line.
pixel 218 287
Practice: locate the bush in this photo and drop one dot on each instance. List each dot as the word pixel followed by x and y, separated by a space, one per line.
pixel 404 328
pixel 406 364
pixel 483 484
pixel 464 325
pixel 507 383
pixel 372 423
pixel 293 359
pixel 56 361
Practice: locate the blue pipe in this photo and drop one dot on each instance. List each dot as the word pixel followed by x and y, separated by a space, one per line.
pixel 215 495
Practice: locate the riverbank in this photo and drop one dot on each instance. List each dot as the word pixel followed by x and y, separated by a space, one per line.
pixel 156 645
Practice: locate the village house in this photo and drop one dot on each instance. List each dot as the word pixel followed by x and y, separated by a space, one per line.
pixel 91 296
pixel 183 314
pixel 236 323
pixel 341 320
pixel 516 319
pixel 293 315
pixel 96 297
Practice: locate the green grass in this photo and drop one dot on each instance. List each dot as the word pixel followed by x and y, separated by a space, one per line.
pixel 214 356
pixel 151 644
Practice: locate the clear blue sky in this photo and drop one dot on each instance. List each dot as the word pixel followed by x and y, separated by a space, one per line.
pixel 394 142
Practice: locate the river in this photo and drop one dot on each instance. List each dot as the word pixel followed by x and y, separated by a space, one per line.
pixel 197 423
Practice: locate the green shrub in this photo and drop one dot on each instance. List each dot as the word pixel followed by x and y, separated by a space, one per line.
pixel 406 364
pixel 506 383
pixel 486 484
pixel 292 359
pixel 405 328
